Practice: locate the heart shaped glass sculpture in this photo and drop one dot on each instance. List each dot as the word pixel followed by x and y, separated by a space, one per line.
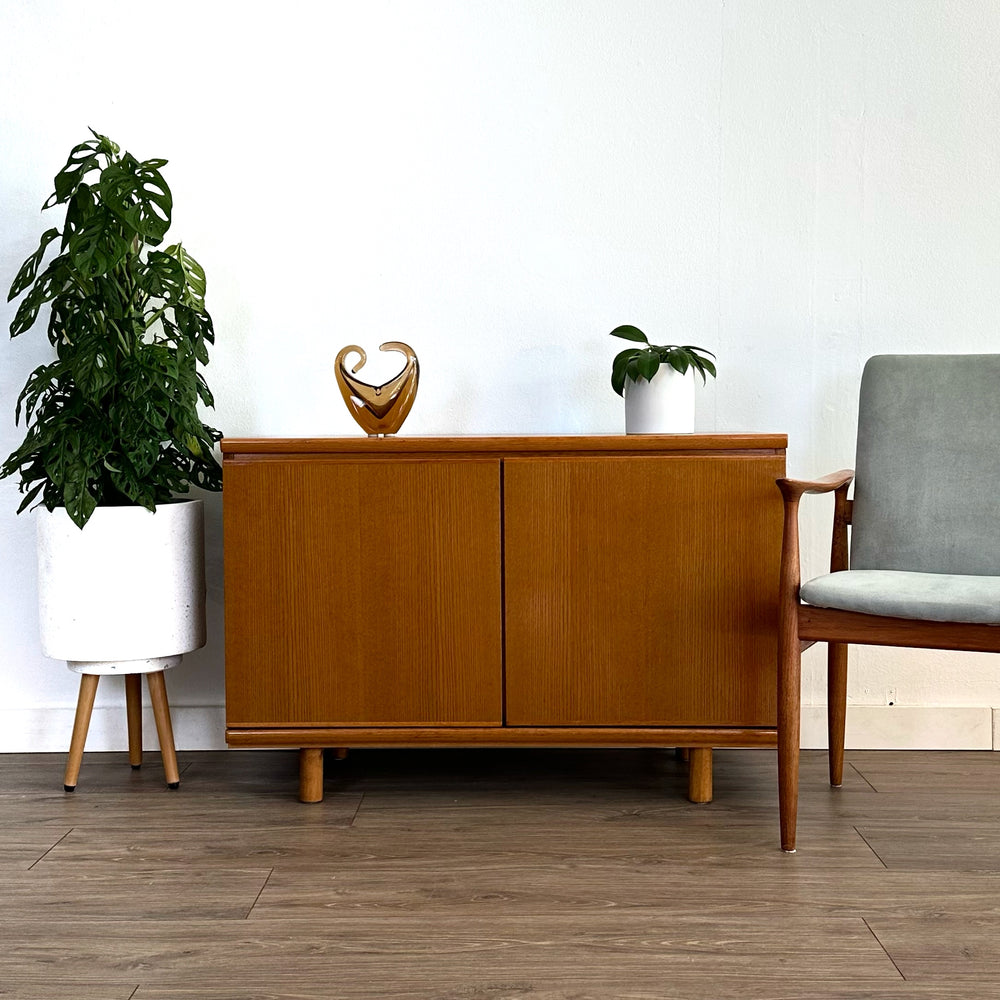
pixel 378 409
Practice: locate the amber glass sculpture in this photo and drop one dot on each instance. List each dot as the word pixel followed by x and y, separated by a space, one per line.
pixel 379 409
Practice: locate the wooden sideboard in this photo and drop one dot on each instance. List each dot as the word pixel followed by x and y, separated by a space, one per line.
pixel 522 591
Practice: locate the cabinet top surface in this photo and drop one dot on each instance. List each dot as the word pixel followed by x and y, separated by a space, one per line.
pixel 614 444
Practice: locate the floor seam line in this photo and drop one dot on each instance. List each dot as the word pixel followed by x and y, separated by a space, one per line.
pixel 863 778
pixel 883 947
pixel 45 854
pixel 260 892
pixel 870 848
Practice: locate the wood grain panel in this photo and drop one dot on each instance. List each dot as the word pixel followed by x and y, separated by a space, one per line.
pixel 682 985
pixel 642 591
pixel 363 593
pixel 636 947
pixel 151 894
pixel 257 449
pixel 516 736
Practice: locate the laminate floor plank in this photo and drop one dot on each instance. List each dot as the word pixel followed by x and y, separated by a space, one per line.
pixel 321 847
pixel 640 949
pixel 214 846
pixel 678 987
pixel 514 885
pixel 91 892
pixel 970 772
pixel 18 988
pixel 44 772
pixel 943 947
pixel 176 815
pixel 956 845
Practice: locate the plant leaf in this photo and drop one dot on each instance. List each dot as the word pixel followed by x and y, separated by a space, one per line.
pixel 647 363
pixel 619 368
pixel 29 269
pixel 139 196
pixel 628 332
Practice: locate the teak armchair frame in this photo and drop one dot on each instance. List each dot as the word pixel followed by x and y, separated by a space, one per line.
pixel 801 625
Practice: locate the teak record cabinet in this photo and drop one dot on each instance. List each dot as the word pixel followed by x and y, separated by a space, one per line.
pixel 522 591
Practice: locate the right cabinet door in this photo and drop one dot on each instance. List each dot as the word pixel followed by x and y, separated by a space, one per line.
pixel 641 590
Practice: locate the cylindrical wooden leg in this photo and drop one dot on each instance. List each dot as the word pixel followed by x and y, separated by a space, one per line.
pixel 340 753
pixel 700 775
pixel 682 753
pixel 84 708
pixel 789 725
pixel 133 711
pixel 165 731
pixel 311 774
pixel 836 701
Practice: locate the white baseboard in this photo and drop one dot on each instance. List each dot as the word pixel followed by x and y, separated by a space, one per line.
pixel 48 730
pixel 907 727
pixel 203 727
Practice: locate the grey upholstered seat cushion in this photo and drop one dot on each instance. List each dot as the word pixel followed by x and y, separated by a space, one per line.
pixel 899 594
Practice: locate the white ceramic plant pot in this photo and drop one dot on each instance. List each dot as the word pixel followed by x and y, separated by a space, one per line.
pixel 127 593
pixel 663 406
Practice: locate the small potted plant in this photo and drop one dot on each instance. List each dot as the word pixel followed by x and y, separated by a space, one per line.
pixel 113 433
pixel 665 406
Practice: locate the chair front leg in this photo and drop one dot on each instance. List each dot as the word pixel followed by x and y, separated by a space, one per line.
pixel 836 708
pixel 789 726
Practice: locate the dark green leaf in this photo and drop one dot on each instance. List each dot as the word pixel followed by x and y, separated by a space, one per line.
pixel 26 275
pixel 619 368
pixel 628 332
pixel 29 498
pixel 82 159
pixel 139 196
pixel 647 363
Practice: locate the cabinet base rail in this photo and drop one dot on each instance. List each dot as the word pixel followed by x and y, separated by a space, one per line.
pixel 312 741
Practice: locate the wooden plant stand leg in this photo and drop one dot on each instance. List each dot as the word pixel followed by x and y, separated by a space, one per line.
pixel 133 711
pixel 84 708
pixel 311 774
pixel 700 775
pixel 161 713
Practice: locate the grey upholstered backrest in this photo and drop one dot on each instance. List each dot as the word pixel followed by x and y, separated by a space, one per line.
pixel 927 488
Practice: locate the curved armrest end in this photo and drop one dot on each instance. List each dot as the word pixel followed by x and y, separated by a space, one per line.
pixel 792 489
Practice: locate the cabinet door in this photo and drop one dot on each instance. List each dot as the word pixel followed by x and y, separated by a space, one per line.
pixel 363 592
pixel 642 590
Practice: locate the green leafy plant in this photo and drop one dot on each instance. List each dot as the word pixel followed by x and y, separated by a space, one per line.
pixel 643 362
pixel 113 419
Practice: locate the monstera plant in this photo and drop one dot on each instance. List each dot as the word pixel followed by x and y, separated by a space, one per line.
pixel 114 434
pixel 113 418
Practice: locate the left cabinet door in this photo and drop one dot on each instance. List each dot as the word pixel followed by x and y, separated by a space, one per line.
pixel 362 592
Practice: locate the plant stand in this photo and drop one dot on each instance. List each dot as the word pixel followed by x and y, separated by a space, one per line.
pixel 133 707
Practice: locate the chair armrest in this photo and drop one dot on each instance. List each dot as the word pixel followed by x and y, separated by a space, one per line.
pixel 792 489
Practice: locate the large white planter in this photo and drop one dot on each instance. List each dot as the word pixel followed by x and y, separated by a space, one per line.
pixel 127 593
pixel 663 406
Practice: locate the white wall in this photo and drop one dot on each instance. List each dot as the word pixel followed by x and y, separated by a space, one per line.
pixel 795 184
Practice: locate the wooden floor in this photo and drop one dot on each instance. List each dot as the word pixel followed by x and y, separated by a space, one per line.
pixel 499 875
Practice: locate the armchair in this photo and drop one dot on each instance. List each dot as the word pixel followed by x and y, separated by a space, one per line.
pixel 922 565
